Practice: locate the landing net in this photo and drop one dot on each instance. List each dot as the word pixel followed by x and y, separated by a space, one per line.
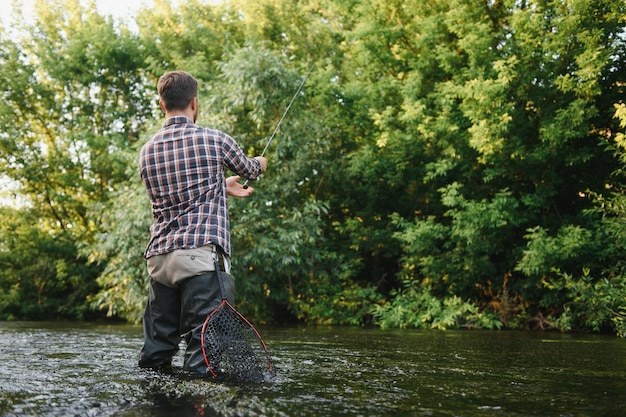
pixel 232 347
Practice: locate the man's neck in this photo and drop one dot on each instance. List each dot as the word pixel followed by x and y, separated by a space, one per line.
pixel 174 113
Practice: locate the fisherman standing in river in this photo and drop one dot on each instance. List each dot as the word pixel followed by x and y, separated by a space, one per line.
pixel 182 168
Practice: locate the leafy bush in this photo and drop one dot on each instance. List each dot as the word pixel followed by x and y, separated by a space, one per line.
pixel 595 304
pixel 417 308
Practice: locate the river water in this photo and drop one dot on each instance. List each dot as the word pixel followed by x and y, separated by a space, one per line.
pixel 85 369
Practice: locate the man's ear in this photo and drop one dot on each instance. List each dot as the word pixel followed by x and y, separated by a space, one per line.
pixel 162 106
pixel 194 103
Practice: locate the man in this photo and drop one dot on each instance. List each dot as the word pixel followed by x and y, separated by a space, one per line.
pixel 182 168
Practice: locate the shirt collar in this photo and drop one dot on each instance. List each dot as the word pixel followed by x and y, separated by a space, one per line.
pixel 175 120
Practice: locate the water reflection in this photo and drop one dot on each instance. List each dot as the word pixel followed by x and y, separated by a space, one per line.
pixel 61 369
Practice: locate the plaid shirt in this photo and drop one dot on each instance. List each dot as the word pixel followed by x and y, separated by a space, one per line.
pixel 182 167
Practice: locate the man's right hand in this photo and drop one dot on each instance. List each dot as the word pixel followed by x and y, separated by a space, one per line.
pixel 263 162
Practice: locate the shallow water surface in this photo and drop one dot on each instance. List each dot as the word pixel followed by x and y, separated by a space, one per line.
pixel 85 369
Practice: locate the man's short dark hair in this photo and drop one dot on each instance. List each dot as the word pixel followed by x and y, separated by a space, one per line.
pixel 177 89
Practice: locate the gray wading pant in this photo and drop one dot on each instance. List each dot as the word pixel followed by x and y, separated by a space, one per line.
pixel 179 311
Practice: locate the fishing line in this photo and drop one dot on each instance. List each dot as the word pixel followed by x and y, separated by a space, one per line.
pixel 280 122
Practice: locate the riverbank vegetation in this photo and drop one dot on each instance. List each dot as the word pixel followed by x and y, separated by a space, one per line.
pixel 448 163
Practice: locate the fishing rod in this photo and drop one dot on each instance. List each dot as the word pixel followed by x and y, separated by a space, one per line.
pixel 245 184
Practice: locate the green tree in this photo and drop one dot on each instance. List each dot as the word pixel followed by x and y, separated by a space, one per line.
pixel 512 99
pixel 119 247
pixel 448 163
pixel 42 275
pixel 244 93
pixel 591 296
pixel 74 98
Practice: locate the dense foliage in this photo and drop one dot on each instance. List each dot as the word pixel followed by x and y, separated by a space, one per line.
pixel 448 163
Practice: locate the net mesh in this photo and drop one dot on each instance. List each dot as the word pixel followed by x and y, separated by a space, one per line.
pixel 233 349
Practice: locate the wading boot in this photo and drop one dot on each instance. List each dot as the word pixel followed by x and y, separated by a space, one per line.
pixel 161 327
pixel 200 295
